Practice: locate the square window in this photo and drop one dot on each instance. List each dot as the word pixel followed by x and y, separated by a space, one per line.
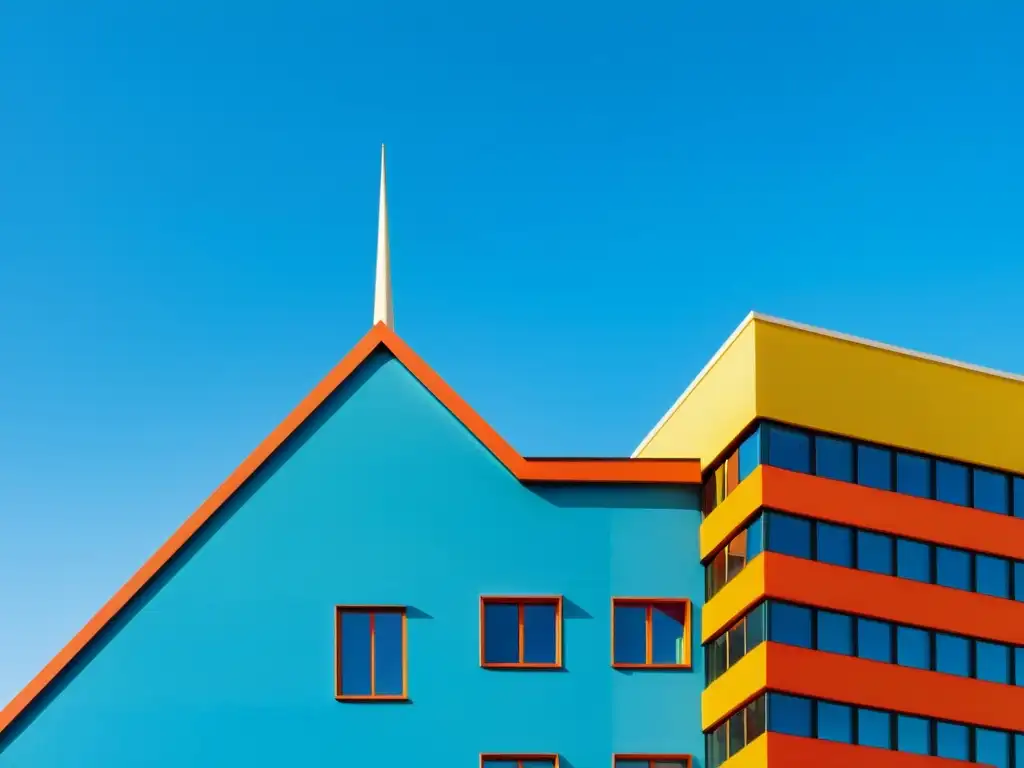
pixel 992 662
pixel 789 624
pixel 833 458
pixel 874 467
pixel 992 575
pixel 651 633
pixel 913 648
pixel 913 734
pixel 521 632
pixel 370 653
pixel 913 560
pixel 653 761
pixel 835 544
pixel 952 741
pixel 952 654
pixel 991 491
pixel 835 633
pixel 789 714
pixel 789 535
pixel 874 729
pixel 835 722
pixel 874 640
pixel 953 568
pixel 913 475
pixel 952 483
pixel 789 449
pixel 875 552
pixel 992 748
pixel 518 761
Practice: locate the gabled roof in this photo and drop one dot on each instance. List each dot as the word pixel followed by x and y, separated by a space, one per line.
pixel 527 470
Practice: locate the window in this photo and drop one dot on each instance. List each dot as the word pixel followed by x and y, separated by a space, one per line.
pixel 835 722
pixel 992 575
pixel 913 734
pixel 789 535
pixel 992 748
pixel 952 654
pixel 835 544
pixel 733 557
pixel 518 761
pixel 952 483
pixel 874 467
pixel 992 661
pixel 789 624
pixel 736 555
pixel 789 714
pixel 750 454
pixel 913 475
pixel 370 653
pixel 652 761
pixel 991 491
pixel 913 648
pixel 1018 580
pixel 835 633
pixel 789 449
pixel 755 718
pixel 874 640
pixel 650 633
pixel 833 458
pixel 913 560
pixel 874 552
pixel 1018 497
pixel 521 632
pixel 952 568
pixel 952 741
pixel 1018 668
pixel 873 729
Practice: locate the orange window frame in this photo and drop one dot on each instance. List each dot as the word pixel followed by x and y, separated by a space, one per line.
pixel 685 760
pixel 521 601
pixel 373 611
pixel 682 604
pixel 519 758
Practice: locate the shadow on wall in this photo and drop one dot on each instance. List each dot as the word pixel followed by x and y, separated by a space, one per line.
pixel 618 496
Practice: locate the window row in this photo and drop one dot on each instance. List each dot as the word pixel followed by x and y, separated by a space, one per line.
pixel 815 719
pixel 874 466
pixel 866 551
pixel 884 641
pixel 371 642
pixel 551 761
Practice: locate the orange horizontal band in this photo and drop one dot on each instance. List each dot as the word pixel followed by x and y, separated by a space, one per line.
pixel 862 683
pixel 778 749
pixel 845 590
pixel 855 505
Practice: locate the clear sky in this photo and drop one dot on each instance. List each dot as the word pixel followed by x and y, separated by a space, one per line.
pixel 586 199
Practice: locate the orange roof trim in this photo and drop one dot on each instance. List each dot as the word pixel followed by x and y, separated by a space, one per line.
pixel 671 471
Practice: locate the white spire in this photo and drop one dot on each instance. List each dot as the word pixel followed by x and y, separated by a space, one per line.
pixel 383 309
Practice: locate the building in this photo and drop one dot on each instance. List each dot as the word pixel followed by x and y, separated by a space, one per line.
pixel 810 561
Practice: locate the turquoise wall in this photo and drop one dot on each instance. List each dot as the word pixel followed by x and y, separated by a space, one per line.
pixel 382 498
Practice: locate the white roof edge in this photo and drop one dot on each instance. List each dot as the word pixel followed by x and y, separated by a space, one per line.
pixel 820 332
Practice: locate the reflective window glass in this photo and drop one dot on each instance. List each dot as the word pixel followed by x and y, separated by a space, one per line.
pixel 874 552
pixel 873 729
pixel 991 491
pixel 1018 750
pixel 1018 499
pixel 716 746
pixel 913 475
pixel 755 718
pixel 874 467
pixel 992 661
pixel 736 555
pixel 835 544
pixel 1018 666
pixel 750 454
pixel 833 458
pixel 756 626
pixel 952 483
pixel 629 627
pixel 737 642
pixel 755 538
pixel 789 535
pixel 835 722
pixel 992 575
pixel 789 624
pixel 714 574
pixel 716 657
pixel 913 734
pixel 1018 580
pixel 952 741
pixel 737 733
pixel 667 632
pixel 952 568
pixel 952 654
pixel 835 633
pixel 789 714
pixel 789 449
pixel 913 560
pixel 913 648
pixel 992 748
pixel 874 640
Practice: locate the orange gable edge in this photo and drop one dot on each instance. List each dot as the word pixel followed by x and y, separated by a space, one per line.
pixel 674 471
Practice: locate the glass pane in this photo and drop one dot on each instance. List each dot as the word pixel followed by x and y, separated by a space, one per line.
pixel 952 483
pixel 991 491
pixel 874 467
pixel 620 763
pixel 1018 749
pixel 388 661
pixel 355 654
pixel 737 642
pixel 789 714
pixel 501 633
pixel 667 634
pixel 755 718
pixel 737 733
pixel 952 654
pixel 736 555
pixel 501 763
pixel 789 535
pixel 874 552
pixel 992 575
pixel 540 634
pixel 750 454
pixel 992 748
pixel 1018 667
pixel 835 633
pixel 789 449
pixel 546 763
pixel 913 735
pixel 1018 580
pixel 630 634
pixel 835 722
pixel 755 538
pixel 913 475
pixel 874 640
pixel 992 661
pixel 667 764
pixel 835 544
pixel 717 752
pixel 913 648
pixel 732 473
pixel 913 560
pixel 833 458
pixel 952 568
pixel 716 658
pixel 789 624
pixel 716 574
pixel 873 729
pixel 756 626
pixel 1018 507
pixel 952 741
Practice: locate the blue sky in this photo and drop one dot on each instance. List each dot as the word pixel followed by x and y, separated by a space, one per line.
pixel 585 199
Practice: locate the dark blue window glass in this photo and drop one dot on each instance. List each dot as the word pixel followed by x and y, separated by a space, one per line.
pixel 789 449
pixel 1018 509
pixel 1018 750
pixel 952 654
pixel 750 454
pixel 667 624
pixel 874 552
pixel 501 633
pixel 952 741
pixel 355 654
pixel 874 640
pixel 756 626
pixel 913 648
pixel 992 661
pixel 715 658
pixel 833 458
pixel 913 560
pixel 913 734
pixel 630 634
pixel 913 475
pixel 873 729
pixel 1018 580
pixel 789 714
pixel 755 538
pixel 737 733
pixel 835 722
pixel 874 467
pixel 952 568
pixel 1018 667
pixel 789 535
pixel 991 491
pixel 835 544
pixel 835 633
pixel 952 483
pixel 717 746
pixel 540 633
pixel 755 718
pixel 992 575
pixel 789 624
pixel 992 747
pixel 388 660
